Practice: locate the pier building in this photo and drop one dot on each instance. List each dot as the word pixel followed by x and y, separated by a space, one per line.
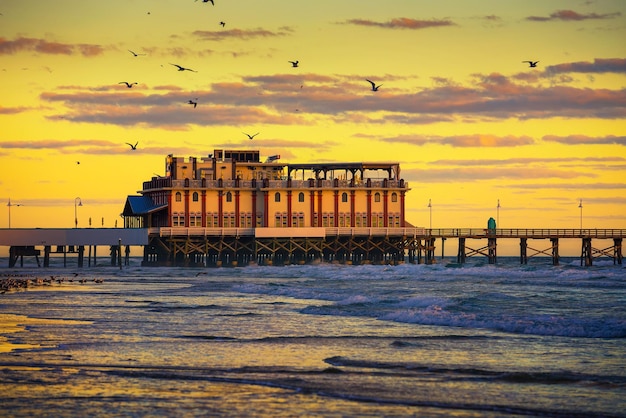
pixel 269 210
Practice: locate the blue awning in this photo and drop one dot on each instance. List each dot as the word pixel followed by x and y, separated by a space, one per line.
pixel 140 205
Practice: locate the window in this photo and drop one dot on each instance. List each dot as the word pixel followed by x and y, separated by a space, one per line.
pixel 394 197
pixel 301 197
pixel 377 197
pixel 229 197
pixel 277 197
pixel 195 196
pixel 179 197
pixel 344 197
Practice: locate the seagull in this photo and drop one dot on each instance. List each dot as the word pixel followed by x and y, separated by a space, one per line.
pixel 129 85
pixel 294 63
pixel 374 86
pixel 133 147
pixel 531 63
pixel 135 54
pixel 191 102
pixel 183 68
pixel 250 136
pixel 223 24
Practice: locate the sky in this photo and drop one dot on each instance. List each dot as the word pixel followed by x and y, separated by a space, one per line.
pixel 472 124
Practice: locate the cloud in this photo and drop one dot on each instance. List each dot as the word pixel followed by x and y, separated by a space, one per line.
pixel 310 98
pixel 477 140
pixel 8 47
pixel 402 23
pixel 586 140
pixel 599 65
pixel 570 15
pixel 244 34
pixel 453 174
pixel 569 186
pixel 11 110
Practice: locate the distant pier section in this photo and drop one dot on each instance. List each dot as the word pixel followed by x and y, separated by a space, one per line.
pixel 23 242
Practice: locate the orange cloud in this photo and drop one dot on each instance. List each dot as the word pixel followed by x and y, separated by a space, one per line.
pixel 402 23
pixel 8 47
pixel 241 33
pixel 599 65
pixel 586 140
pixel 570 15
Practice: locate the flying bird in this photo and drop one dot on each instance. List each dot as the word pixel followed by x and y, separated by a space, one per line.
pixel 191 102
pixel 374 86
pixel 135 54
pixel 206 1
pixel 129 85
pixel 183 68
pixel 294 64
pixel 250 136
pixel 223 24
pixel 133 147
pixel 531 63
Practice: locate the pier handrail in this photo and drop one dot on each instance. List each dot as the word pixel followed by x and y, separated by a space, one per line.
pixel 413 231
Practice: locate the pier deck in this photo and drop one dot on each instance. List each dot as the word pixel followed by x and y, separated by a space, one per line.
pixel 233 246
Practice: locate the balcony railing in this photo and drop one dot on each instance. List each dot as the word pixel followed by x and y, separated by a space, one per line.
pixel 394 231
pixel 273 184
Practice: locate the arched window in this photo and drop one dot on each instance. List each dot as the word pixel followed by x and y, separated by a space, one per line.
pixel 277 197
pixel 179 197
pixel 195 196
pixel 394 197
pixel 377 197
pixel 229 197
pixel 301 197
pixel 344 197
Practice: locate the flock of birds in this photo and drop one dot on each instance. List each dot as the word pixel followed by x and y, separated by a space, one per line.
pixel 18 282
pixel 294 64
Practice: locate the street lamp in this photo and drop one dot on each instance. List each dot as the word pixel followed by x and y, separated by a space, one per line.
pixel 9 206
pixel 77 202
pixel 580 205
pixel 430 209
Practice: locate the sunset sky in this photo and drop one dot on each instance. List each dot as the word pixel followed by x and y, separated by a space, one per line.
pixel 468 120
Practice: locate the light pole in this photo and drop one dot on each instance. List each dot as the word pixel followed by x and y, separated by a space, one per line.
pixel 9 206
pixel 498 214
pixel 77 202
pixel 430 209
pixel 580 205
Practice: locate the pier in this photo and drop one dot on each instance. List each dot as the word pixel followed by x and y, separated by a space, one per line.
pixel 23 242
pixel 182 246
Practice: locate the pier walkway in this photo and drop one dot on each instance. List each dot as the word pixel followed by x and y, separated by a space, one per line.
pixel 232 246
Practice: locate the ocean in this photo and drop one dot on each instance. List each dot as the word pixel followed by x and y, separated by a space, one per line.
pixel 327 340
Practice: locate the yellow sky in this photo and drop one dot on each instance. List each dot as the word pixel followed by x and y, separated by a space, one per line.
pixel 468 121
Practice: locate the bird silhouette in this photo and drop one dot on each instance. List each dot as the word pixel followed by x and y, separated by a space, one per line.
pixel 129 85
pixel 250 136
pixel 374 86
pixel 183 68
pixel 135 54
pixel 133 147
pixel 223 24
pixel 294 63
pixel 531 63
pixel 207 1
pixel 191 102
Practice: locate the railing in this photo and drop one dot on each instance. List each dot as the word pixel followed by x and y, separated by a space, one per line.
pixel 275 184
pixel 416 232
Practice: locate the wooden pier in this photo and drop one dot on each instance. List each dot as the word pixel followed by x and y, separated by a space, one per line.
pixel 241 246
pixel 189 246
